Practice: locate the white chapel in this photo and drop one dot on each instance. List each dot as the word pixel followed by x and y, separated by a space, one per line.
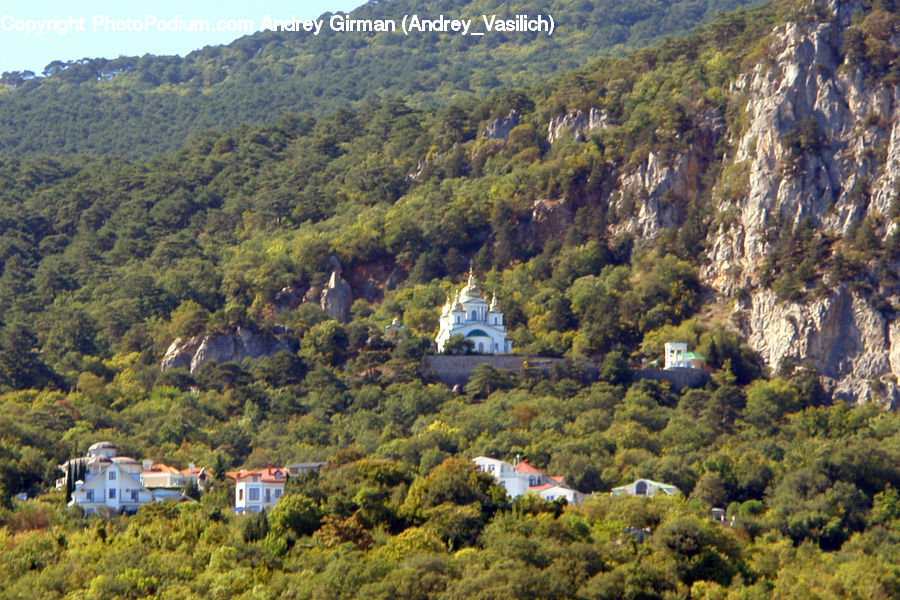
pixel 470 316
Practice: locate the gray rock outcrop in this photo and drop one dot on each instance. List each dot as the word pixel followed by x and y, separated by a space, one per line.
pixel 337 298
pixel 850 343
pixel 224 346
pixel 499 129
pixel 658 188
pixel 577 123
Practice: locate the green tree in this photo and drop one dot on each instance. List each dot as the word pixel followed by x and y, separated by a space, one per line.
pixel 294 514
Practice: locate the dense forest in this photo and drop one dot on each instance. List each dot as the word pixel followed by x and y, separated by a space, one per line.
pixel 153 103
pixel 108 259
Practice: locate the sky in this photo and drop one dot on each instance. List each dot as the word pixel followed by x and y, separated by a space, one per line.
pixel 37 32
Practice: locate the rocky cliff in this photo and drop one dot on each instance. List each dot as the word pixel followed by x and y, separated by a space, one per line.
pixel 225 346
pixel 812 141
pixel 820 145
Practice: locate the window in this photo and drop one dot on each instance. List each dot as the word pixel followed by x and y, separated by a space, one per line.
pixel 473 318
pixel 112 475
pixel 89 495
pixel 253 494
pixel 268 495
pixel 277 494
pixel 134 495
pixel 241 495
pixel 112 493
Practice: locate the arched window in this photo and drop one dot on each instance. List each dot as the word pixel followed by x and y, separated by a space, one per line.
pixel 640 488
pixel 473 317
pixel 480 347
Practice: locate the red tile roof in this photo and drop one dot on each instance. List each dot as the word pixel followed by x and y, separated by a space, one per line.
pixel 267 475
pixel 525 467
pixel 162 468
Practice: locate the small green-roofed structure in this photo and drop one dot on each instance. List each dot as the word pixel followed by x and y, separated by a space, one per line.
pixel 645 487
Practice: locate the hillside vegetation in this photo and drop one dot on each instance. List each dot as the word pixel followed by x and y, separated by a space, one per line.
pixel 144 106
pixel 107 260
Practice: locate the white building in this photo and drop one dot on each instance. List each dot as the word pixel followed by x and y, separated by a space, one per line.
pixel 506 475
pixel 522 478
pixel 678 357
pixel 470 316
pixel 675 355
pixel 561 491
pixel 110 482
pixel 257 490
pixel 115 488
pixel 113 483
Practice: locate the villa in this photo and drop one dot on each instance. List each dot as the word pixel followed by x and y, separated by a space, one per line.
pixel 522 478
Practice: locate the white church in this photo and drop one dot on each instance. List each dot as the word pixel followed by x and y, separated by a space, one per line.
pixel 470 316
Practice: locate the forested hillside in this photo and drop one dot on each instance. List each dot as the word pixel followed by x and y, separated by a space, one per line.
pixel 144 106
pixel 732 189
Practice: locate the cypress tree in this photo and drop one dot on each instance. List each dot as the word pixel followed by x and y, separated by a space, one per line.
pixel 70 482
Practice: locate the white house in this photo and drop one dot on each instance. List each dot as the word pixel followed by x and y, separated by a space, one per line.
pixel 645 487
pixel 117 483
pixel 506 475
pixel 257 490
pixel 470 316
pixel 523 478
pixel 556 492
pixel 116 487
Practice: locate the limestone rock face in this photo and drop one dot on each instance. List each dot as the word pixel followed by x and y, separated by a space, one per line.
pixel 657 190
pixel 810 89
pixel 850 343
pixel 337 298
pixel 499 129
pixel 222 346
pixel 577 123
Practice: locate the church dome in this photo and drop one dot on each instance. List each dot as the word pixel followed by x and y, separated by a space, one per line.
pixel 102 446
pixel 471 291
